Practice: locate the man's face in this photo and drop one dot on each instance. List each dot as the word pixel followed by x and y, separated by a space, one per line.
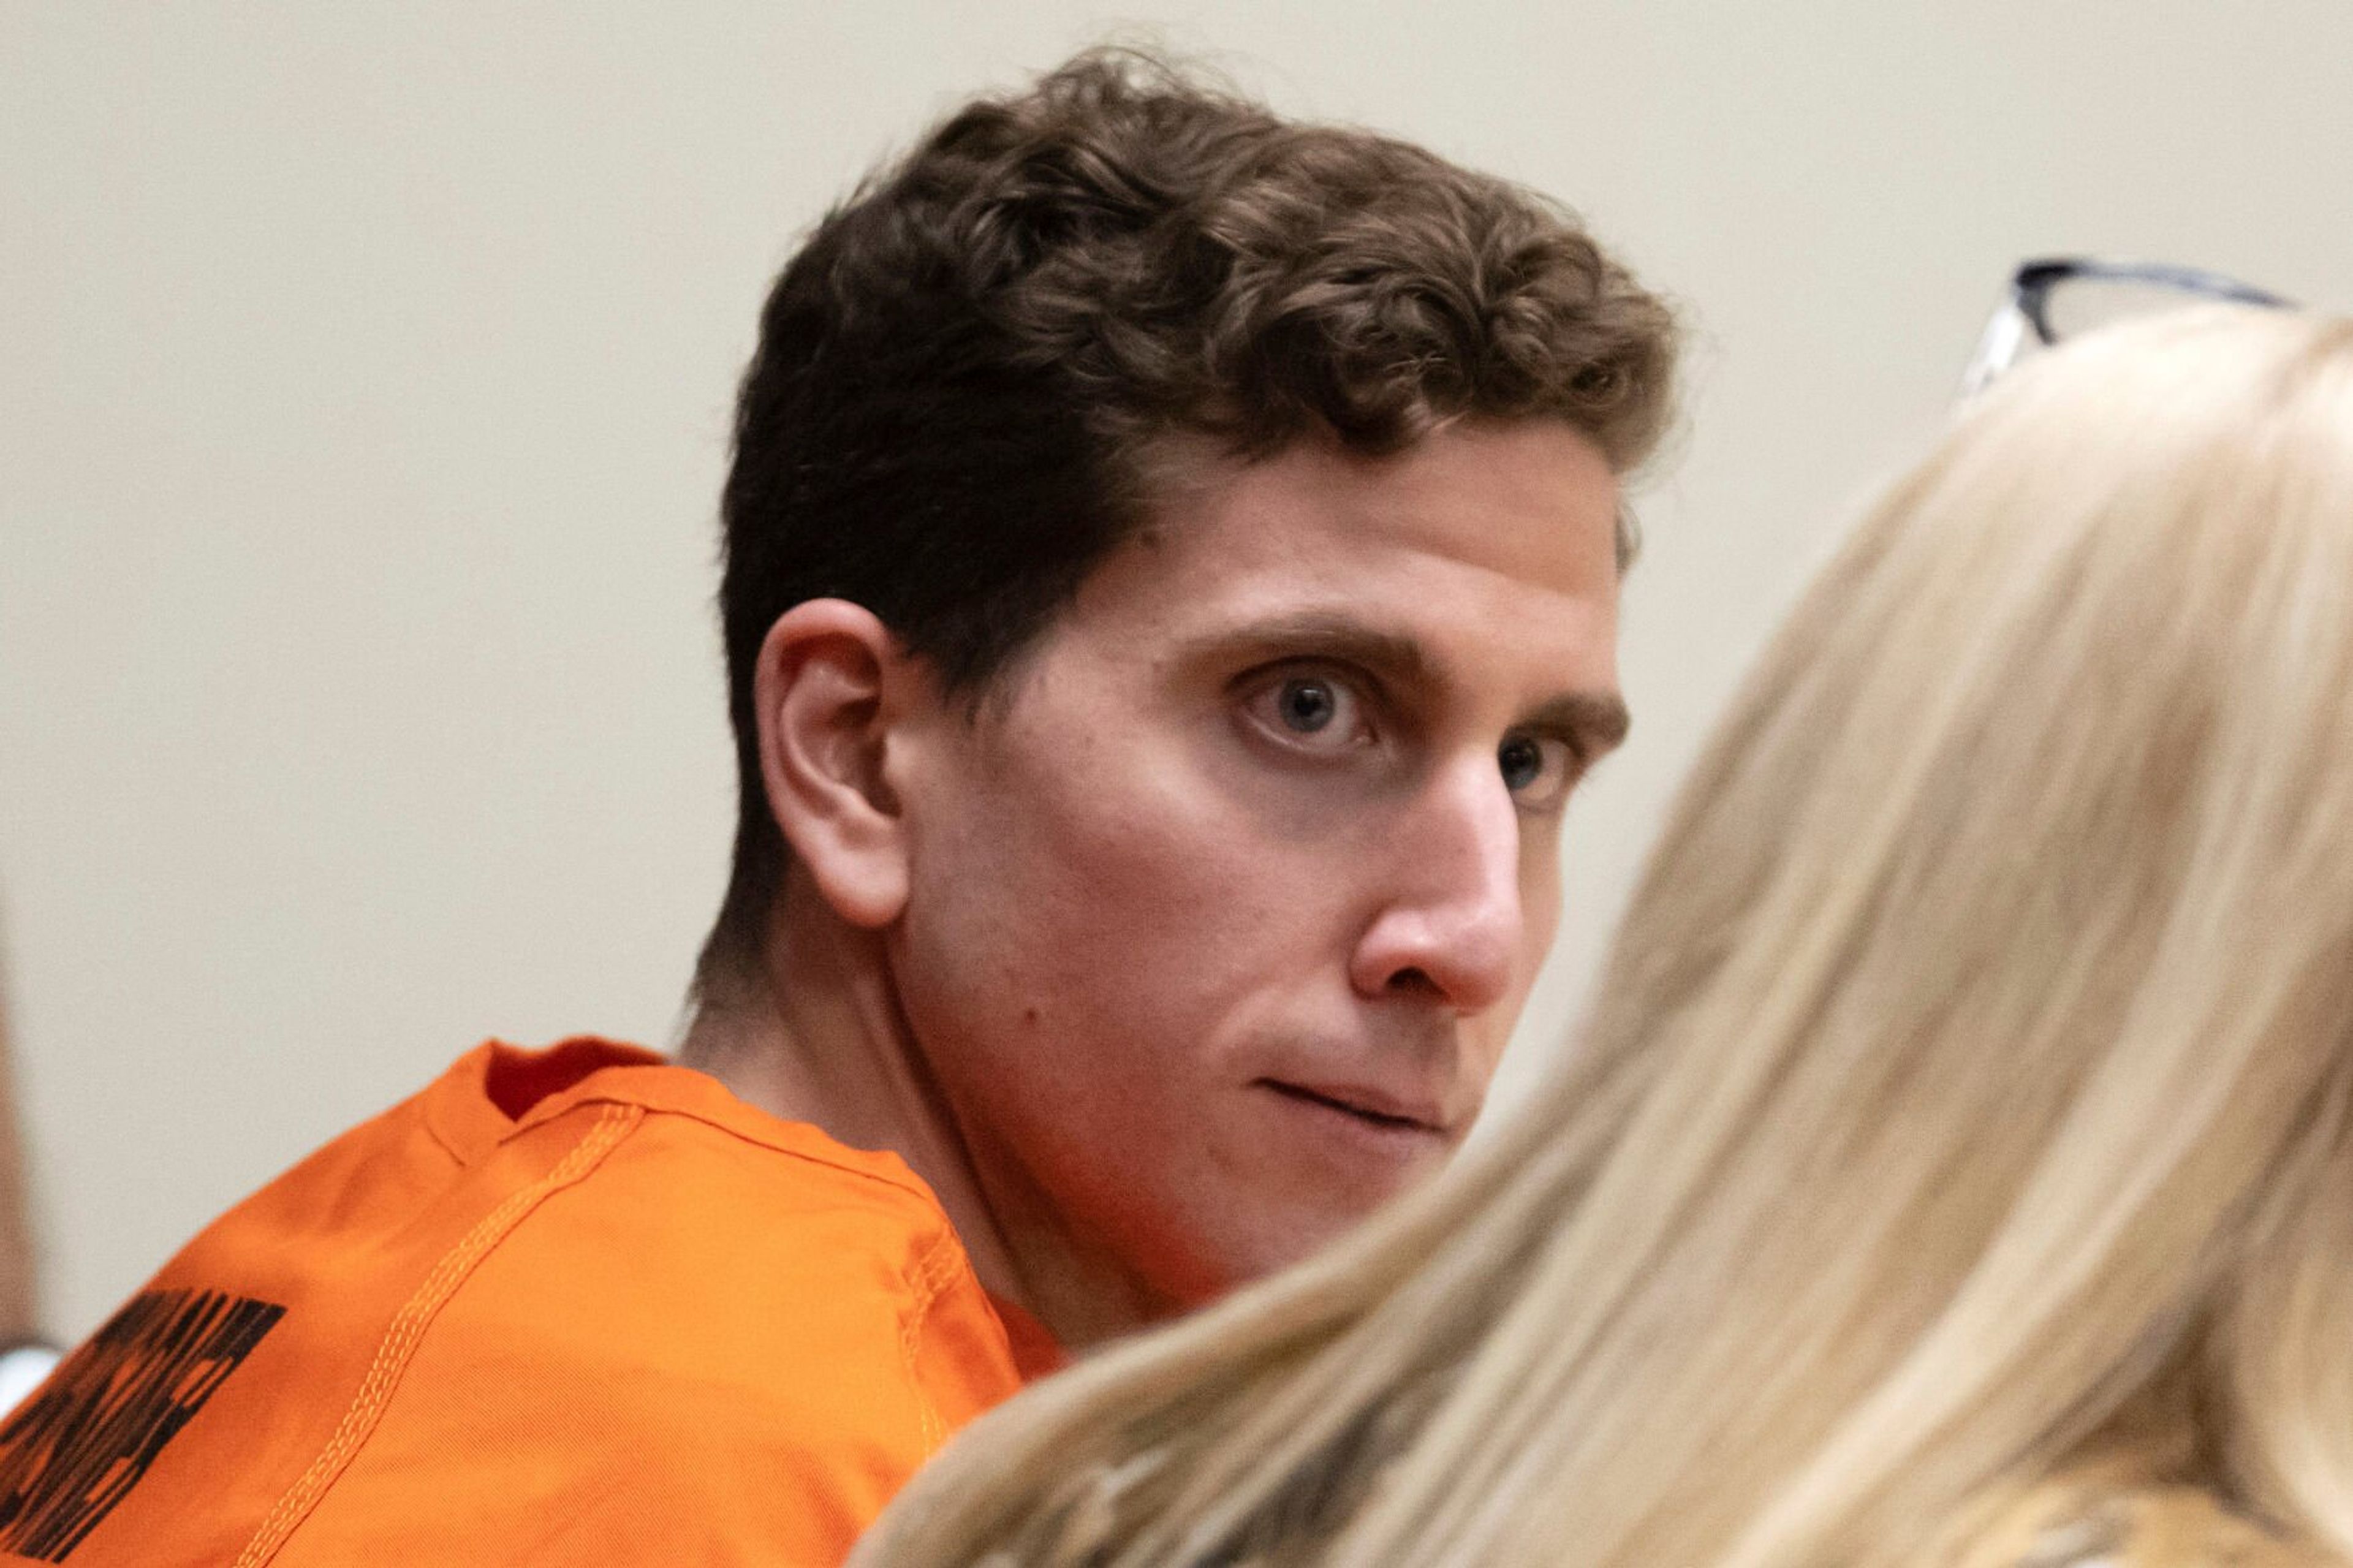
pixel 1219 915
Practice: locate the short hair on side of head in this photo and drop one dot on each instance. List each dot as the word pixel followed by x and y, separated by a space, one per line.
pixel 963 375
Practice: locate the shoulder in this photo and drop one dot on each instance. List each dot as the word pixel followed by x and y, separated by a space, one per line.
pixel 714 1336
pixel 695 1142
pixel 791 1271
pixel 625 1311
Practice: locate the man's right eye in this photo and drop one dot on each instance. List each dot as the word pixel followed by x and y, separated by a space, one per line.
pixel 1310 712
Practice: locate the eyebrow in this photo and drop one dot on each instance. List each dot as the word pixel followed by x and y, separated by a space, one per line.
pixel 1594 721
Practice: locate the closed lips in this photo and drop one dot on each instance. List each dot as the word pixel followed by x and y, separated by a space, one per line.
pixel 1355 1103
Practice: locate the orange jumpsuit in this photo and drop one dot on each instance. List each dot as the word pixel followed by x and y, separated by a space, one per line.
pixel 575 1307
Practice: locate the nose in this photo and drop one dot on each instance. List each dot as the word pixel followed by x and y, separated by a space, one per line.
pixel 1452 928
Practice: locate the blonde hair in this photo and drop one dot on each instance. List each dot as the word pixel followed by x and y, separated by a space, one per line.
pixel 1967 1103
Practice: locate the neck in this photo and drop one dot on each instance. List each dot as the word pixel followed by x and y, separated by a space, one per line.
pixel 812 1031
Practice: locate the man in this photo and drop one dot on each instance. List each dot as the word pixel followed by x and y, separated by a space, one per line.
pixel 1170 595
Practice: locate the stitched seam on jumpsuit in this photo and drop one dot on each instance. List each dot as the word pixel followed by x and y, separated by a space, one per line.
pixel 408 1326
pixel 932 1274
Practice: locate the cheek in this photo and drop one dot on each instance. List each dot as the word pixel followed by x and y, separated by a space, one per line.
pixel 1066 903
pixel 1125 920
pixel 1540 896
pixel 1132 833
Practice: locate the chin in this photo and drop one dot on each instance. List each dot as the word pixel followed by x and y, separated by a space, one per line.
pixel 1234 1232
pixel 1277 1250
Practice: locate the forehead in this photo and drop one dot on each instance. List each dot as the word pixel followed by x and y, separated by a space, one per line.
pixel 1479 538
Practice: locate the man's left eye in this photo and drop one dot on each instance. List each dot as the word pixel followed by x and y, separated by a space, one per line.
pixel 1538 769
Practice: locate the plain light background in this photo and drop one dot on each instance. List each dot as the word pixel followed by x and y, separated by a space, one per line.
pixel 365 375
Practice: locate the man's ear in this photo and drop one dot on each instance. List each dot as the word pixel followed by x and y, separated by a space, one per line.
pixel 829 680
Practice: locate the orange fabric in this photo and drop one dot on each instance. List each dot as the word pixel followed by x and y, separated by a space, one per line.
pixel 576 1307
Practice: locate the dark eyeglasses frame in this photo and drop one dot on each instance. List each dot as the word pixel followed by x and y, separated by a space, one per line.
pixel 2029 296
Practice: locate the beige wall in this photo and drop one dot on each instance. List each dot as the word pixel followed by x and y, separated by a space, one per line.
pixel 363 384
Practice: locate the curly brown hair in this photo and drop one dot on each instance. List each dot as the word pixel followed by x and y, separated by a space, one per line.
pixel 964 373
